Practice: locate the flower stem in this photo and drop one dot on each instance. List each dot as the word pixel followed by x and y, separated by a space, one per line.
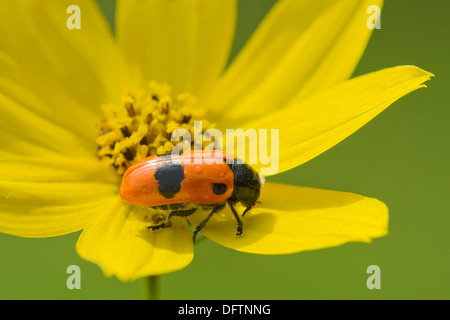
pixel 151 288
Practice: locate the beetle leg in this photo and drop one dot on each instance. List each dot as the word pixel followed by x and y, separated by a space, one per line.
pixel 180 213
pixel 239 222
pixel 160 226
pixel 246 210
pixel 203 223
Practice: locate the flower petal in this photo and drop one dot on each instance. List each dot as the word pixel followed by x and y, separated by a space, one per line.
pixel 47 76
pixel 56 169
pixel 20 128
pixel 119 242
pixel 49 196
pixel 309 127
pixel 293 219
pixel 47 209
pixel 301 47
pixel 184 43
pixel 25 90
pixel 70 61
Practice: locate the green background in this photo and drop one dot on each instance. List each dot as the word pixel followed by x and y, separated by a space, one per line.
pixel 401 158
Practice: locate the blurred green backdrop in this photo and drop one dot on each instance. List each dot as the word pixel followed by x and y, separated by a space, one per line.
pixel 401 158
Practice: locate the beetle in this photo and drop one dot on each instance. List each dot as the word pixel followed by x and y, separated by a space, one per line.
pixel 184 183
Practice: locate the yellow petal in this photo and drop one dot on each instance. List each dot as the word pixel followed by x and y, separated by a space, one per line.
pixel 309 127
pixel 119 242
pixel 22 146
pixel 20 124
pixel 27 90
pixel 183 43
pixel 302 46
pixel 46 209
pixel 43 197
pixel 293 219
pixel 70 61
pixel 56 169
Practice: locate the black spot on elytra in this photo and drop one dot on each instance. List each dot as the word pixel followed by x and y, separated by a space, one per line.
pixel 219 188
pixel 169 176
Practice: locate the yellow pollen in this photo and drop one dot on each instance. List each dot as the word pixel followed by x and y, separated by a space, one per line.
pixel 143 125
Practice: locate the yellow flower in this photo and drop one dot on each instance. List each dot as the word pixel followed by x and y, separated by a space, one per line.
pixel 60 87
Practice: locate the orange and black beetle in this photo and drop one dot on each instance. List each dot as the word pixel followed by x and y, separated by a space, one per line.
pixel 183 183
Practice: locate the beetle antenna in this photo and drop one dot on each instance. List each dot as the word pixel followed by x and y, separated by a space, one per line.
pixel 236 216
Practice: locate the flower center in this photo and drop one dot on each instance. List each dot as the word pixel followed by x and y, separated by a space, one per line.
pixel 143 125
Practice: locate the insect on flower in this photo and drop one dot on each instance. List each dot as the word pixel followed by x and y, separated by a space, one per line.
pixel 81 107
pixel 193 180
